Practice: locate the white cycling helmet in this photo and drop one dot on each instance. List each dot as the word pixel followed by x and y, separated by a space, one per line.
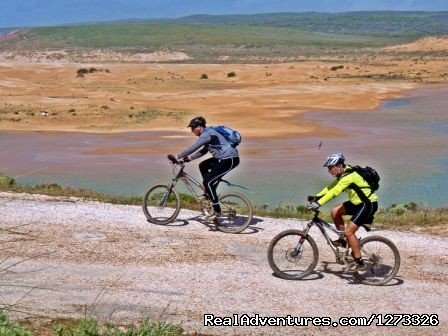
pixel 334 159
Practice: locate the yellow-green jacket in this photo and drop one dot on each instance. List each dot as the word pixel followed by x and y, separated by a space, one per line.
pixel 342 183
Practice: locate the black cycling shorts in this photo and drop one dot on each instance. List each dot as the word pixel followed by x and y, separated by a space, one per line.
pixel 362 213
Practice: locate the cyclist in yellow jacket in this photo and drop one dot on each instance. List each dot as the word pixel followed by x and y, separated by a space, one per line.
pixel 362 203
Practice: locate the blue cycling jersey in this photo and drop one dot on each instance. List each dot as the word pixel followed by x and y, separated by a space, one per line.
pixel 213 142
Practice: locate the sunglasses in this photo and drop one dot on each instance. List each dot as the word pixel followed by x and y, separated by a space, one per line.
pixel 330 167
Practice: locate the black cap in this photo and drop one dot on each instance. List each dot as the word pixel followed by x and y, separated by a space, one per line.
pixel 198 121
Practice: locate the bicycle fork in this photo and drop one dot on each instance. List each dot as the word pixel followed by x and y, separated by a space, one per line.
pixel 165 197
pixel 298 249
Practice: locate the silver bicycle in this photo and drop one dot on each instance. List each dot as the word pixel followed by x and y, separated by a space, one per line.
pixel 293 254
pixel 162 203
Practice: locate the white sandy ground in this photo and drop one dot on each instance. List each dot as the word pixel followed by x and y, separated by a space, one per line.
pixel 106 261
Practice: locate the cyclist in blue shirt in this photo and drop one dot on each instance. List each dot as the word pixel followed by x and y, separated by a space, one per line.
pixel 224 158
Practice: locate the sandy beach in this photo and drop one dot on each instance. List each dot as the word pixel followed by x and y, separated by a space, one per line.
pixel 261 100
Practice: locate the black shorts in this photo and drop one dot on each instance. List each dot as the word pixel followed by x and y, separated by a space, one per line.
pixel 362 213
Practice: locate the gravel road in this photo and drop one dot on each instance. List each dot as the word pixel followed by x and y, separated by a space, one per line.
pixel 64 257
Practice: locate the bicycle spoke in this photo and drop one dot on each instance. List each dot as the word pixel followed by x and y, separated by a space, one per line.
pixel 161 204
pixel 290 259
pixel 236 213
pixel 382 259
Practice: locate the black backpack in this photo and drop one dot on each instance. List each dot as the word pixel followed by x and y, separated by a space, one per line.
pixel 370 175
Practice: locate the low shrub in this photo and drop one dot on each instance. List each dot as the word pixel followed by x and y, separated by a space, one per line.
pixel 337 67
pixel 397 209
pixel 90 327
pixel 49 187
pixel 82 71
pixel 7 181
pixel 8 328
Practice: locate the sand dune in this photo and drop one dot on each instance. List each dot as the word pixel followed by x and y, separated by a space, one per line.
pixel 424 44
pixel 47 91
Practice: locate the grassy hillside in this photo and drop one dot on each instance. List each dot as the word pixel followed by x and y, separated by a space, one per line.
pixel 173 34
pixel 378 23
pixel 206 37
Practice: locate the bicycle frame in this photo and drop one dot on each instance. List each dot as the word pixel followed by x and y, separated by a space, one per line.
pixel 324 227
pixel 187 179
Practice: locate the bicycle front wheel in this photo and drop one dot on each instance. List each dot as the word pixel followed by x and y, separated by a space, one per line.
pixel 382 259
pixel 236 213
pixel 161 204
pixel 290 258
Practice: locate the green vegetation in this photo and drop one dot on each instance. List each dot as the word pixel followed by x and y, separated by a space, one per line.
pixel 149 114
pixel 172 35
pixel 206 38
pixel 376 23
pixel 412 216
pixel 91 327
pixel 54 189
pixel 6 181
pixel 8 328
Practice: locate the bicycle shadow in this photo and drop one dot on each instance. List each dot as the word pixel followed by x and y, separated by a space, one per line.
pixel 179 222
pixel 312 277
pixel 251 229
pixel 344 275
pixel 175 223
pixel 350 276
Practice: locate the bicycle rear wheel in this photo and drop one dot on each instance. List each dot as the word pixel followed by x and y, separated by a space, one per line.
pixel 290 260
pixel 382 258
pixel 161 204
pixel 236 213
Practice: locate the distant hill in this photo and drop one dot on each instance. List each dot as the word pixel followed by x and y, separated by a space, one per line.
pixel 212 37
pixel 394 23
pixel 370 23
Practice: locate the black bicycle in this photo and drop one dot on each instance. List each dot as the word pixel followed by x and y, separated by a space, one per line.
pixel 293 254
pixel 162 203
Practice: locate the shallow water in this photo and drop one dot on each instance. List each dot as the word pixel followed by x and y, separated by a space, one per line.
pixel 405 140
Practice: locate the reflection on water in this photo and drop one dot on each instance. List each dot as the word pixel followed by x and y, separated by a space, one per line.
pixel 406 140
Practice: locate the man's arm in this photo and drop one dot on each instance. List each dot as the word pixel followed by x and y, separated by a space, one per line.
pixel 203 140
pixel 334 189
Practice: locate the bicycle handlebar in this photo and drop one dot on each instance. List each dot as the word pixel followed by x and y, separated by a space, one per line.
pixel 173 160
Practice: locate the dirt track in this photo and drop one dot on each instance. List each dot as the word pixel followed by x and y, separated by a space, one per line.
pixel 107 261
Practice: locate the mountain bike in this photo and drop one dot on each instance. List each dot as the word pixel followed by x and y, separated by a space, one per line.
pixel 293 254
pixel 162 203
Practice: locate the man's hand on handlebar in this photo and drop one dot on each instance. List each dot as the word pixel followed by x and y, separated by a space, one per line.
pixel 313 198
pixel 173 159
